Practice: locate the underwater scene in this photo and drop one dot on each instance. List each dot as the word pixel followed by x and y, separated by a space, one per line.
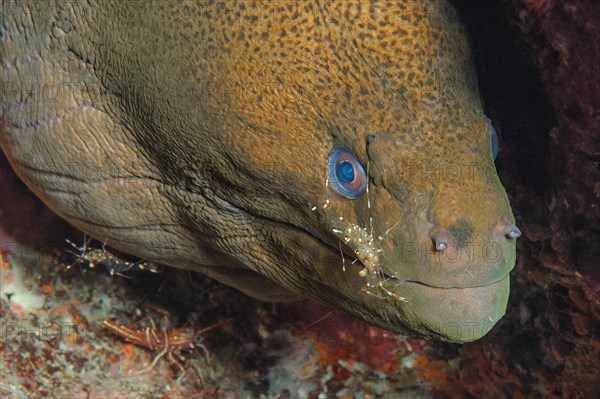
pixel 299 199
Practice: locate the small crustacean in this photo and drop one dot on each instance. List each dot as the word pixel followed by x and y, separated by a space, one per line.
pixel 113 264
pixel 169 342
pixel 367 251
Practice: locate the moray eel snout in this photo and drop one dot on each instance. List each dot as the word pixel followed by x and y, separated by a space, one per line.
pixel 438 244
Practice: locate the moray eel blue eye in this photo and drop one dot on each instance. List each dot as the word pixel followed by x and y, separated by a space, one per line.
pixel 495 143
pixel 346 173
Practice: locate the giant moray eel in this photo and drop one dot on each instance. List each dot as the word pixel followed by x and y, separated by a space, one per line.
pixel 293 150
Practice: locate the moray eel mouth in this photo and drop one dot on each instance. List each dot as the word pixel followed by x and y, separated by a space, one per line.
pixel 455 313
pixel 458 314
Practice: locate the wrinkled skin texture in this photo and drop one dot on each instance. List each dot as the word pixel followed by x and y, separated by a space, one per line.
pixel 198 136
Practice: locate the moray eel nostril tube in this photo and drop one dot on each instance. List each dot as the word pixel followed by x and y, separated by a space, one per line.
pixel 333 151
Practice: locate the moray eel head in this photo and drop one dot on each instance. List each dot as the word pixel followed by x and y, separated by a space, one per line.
pixel 432 237
pixel 333 151
pixel 395 212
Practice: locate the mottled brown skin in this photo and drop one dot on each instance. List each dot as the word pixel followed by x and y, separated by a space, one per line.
pixel 201 136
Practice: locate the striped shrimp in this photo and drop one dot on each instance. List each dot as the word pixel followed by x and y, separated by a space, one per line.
pixel 168 342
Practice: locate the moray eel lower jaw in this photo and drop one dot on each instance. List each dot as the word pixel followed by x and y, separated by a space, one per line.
pixel 457 314
pixel 454 314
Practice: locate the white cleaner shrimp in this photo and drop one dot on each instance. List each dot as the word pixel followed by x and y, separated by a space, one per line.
pixel 115 266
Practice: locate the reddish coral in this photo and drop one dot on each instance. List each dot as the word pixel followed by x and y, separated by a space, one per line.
pixel 338 336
